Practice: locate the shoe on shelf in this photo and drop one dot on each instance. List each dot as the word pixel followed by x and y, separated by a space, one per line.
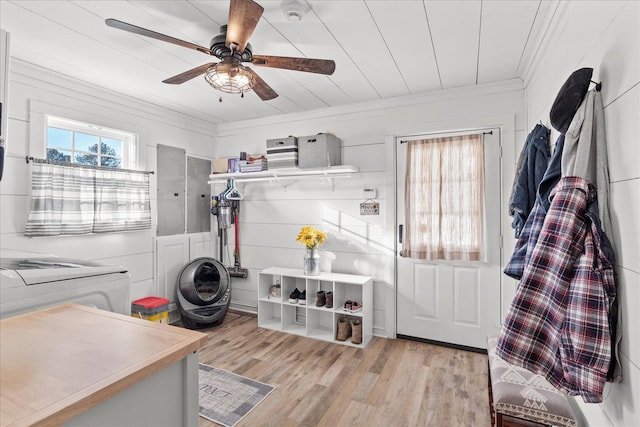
pixel 355 307
pixel 329 298
pixel 356 331
pixel 347 305
pixel 275 291
pixel 321 299
pixel 302 299
pixel 294 296
pixel 344 329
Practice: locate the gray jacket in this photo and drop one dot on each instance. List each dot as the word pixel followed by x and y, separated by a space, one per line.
pixel 585 153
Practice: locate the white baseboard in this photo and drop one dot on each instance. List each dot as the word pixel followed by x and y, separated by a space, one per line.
pixel 589 414
pixel 246 308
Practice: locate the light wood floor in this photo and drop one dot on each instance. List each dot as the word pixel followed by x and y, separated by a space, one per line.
pixel 390 383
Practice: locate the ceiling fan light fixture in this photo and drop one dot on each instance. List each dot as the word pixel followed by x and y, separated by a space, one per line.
pixel 230 77
pixel 232 47
pixel 294 10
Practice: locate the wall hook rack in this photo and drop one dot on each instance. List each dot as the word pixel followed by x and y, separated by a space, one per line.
pixel 598 85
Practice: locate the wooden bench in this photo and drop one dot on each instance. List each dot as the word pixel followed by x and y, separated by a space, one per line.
pixel 518 397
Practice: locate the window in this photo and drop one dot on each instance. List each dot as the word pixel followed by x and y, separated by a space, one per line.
pixel 95 189
pixel 86 144
pixel 444 198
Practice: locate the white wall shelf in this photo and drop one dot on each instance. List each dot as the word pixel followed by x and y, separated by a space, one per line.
pixel 275 175
pixel 307 319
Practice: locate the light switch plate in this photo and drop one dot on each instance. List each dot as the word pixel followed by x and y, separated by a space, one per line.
pixel 369 193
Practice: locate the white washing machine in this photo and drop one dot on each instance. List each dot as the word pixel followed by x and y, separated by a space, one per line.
pixel 29 281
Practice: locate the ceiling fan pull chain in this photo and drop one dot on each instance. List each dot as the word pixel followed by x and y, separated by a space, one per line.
pixel 220 99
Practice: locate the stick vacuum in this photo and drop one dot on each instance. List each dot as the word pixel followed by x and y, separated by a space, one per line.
pixel 226 207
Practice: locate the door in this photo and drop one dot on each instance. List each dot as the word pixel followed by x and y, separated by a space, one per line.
pixel 171 190
pixel 453 302
pixel 198 195
pixel 172 253
pixel 200 245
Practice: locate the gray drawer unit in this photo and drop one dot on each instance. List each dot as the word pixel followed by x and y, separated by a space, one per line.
pixel 282 152
pixel 319 151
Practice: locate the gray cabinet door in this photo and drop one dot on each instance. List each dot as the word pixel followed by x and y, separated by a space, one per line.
pixel 171 190
pixel 198 195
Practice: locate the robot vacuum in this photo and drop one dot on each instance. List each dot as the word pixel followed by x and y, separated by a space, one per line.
pixel 204 293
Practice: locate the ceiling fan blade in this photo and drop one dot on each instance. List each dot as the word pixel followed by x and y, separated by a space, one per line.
pixel 188 75
pixel 320 66
pixel 262 89
pixel 243 18
pixel 114 23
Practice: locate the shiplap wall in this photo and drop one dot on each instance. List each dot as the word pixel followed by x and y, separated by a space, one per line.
pixel 606 37
pixel 272 214
pixel 34 91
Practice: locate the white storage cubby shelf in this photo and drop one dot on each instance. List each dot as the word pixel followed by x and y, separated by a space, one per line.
pixel 308 320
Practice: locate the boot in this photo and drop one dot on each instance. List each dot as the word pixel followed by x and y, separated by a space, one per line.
pixel 356 328
pixel 344 329
pixel 320 299
pixel 329 299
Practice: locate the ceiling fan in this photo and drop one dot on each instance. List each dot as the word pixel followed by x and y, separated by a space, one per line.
pixel 232 48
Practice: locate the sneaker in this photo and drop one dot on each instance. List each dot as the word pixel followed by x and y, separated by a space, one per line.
pixel 275 291
pixel 347 305
pixel 321 299
pixel 302 299
pixel 355 307
pixel 294 296
pixel 329 296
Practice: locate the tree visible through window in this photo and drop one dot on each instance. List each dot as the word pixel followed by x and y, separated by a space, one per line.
pixel 85 144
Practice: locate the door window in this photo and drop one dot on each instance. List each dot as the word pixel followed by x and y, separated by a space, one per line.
pixel 444 198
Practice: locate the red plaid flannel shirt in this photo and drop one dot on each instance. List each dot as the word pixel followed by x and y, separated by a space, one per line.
pixel 558 323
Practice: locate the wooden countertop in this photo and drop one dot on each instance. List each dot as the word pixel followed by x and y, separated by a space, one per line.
pixel 59 362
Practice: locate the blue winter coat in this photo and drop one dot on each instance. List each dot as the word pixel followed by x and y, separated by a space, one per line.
pixel 532 166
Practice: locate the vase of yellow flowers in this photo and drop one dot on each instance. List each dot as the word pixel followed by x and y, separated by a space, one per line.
pixel 311 239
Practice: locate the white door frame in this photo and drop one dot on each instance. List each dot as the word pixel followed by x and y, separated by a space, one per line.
pixel 506 123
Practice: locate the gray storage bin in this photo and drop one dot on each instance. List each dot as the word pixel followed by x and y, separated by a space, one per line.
pixel 282 152
pixel 319 151
pixel 280 144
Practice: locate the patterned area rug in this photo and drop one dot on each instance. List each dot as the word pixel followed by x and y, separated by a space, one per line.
pixel 226 397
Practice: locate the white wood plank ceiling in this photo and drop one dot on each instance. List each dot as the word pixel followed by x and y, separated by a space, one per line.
pixel 382 49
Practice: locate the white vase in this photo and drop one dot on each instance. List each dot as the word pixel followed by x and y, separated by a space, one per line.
pixel 311 262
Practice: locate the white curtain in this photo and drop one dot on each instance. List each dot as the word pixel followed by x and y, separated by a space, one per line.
pixel 444 199
pixel 122 201
pixel 72 200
